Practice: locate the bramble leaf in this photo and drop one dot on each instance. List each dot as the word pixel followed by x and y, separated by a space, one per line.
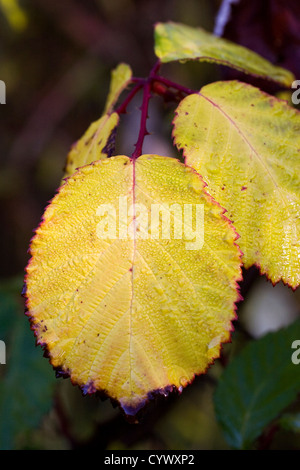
pixel 98 141
pixel 120 79
pixel 175 41
pixel 125 301
pixel 246 146
pixel 256 386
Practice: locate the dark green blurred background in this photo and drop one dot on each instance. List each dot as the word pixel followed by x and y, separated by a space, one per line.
pixel 56 59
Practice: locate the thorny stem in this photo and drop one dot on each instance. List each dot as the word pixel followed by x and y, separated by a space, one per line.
pixel 156 84
pixel 143 129
pixel 175 86
pixel 123 106
pixel 146 98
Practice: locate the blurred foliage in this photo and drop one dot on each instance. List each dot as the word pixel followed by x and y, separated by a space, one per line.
pixel 14 14
pixel 256 386
pixel 23 402
pixel 56 60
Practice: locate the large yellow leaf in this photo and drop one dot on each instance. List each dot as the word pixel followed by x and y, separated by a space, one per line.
pixel 175 41
pixel 98 141
pixel 122 301
pixel 246 145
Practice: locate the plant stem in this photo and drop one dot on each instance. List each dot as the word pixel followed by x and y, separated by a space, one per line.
pixel 176 86
pixel 123 106
pixel 144 109
pixel 151 84
pixel 143 130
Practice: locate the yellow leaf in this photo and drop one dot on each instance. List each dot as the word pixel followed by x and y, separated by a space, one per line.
pixel 246 145
pixel 95 144
pixel 15 14
pixel 174 41
pixel 99 140
pixel 120 78
pixel 127 299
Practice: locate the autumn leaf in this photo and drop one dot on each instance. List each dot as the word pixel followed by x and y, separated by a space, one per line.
pixel 132 283
pixel 246 146
pixel 175 41
pixel 98 141
pixel 120 79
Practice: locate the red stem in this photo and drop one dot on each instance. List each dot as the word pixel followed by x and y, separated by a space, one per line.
pixel 144 108
pixel 148 86
pixel 176 86
pixel 123 106
pixel 143 130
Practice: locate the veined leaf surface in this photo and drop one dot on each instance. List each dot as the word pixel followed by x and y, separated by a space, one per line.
pixel 122 301
pixel 175 41
pixel 246 145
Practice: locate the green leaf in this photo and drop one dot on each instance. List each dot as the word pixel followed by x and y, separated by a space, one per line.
pixel 175 41
pixel 128 301
pixel 26 382
pixel 256 386
pixel 246 146
pixel 290 422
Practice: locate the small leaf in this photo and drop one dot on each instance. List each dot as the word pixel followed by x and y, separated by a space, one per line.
pixel 256 386
pixel 174 41
pixel 120 79
pixel 97 143
pixel 246 146
pixel 121 299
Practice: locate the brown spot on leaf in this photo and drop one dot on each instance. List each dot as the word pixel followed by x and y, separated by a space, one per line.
pixel 110 145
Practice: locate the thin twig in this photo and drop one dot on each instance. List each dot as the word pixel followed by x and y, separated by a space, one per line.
pixel 176 86
pixel 122 109
pixel 144 115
